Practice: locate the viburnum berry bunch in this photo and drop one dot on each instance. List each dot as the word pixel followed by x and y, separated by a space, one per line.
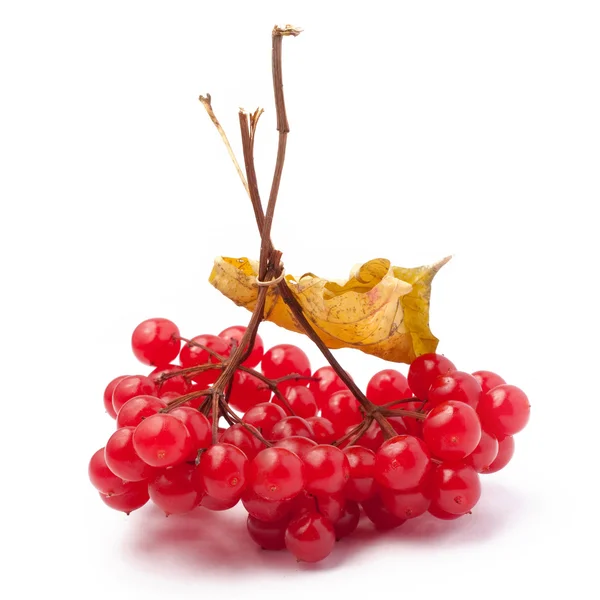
pixel 297 448
pixel 218 420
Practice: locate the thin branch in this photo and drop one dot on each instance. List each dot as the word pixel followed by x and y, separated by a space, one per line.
pixel 206 102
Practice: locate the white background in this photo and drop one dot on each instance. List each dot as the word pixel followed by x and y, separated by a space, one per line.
pixel 418 130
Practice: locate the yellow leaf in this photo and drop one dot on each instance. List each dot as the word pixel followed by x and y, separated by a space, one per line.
pixel 381 309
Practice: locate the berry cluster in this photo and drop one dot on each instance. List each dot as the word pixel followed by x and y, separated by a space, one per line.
pixel 298 449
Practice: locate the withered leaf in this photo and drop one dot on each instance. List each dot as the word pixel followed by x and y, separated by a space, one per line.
pixel 381 309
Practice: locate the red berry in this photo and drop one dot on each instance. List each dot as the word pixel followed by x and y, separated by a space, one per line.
pixel 193 355
pixel 452 430
pixel 301 401
pixel 122 458
pixel 372 438
pixel 424 369
pixel 215 504
pixel 237 435
pixel 102 478
pixel 437 512
pixel 331 506
pixel 176 384
pixel 177 490
pixel 386 386
pixel 291 426
pixel 162 440
pixel 405 505
pixel 264 416
pixel 455 386
pixel 268 535
pixel 156 342
pixel 323 429
pixel 402 463
pixel 343 410
pixel 484 455
pixel 247 391
pixel 297 444
pixel 276 474
pixel 455 487
pixel 506 449
pixel 504 410
pixel 415 426
pixel 130 387
pixel 324 384
pixel 108 394
pixel 327 470
pixel 361 486
pixel 134 496
pixel 310 537
pixel 487 380
pixel 348 522
pixel 283 360
pixel 224 470
pixel 265 510
pixel 198 427
pixel 233 336
pixel 134 411
pixel 379 515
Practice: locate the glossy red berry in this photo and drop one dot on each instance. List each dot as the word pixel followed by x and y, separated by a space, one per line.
pixel 379 515
pixel 233 336
pixel 162 440
pixel 386 386
pixel 424 369
pixel 134 496
pixel 268 535
pixel 324 384
pixel 488 380
pixel 193 354
pixel 343 410
pixel 266 510
pixel 130 387
pixel 177 490
pixel 323 429
pixel 177 384
pixel 297 444
pixel 455 487
pixel 348 521
pixel 361 485
pixel 264 417
pixel 224 470
pixel 310 538
pixel 438 513
pixel 506 449
pixel 108 394
pixel 485 454
pixel 331 506
pixel 327 470
pixel 300 399
pixel 452 430
pixel 291 426
pixel 283 360
pixel 247 391
pixel 405 505
pixel 134 411
pixel 102 478
pixel 156 342
pixel 198 427
pixel 217 505
pixel 276 474
pixel 457 385
pixel 122 458
pixel 504 410
pixel 402 463
pixel 239 436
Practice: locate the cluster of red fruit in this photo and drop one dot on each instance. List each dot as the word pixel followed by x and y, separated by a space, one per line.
pixel 303 461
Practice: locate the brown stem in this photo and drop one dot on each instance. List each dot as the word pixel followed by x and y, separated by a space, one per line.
pixel 206 102
pixel 355 433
